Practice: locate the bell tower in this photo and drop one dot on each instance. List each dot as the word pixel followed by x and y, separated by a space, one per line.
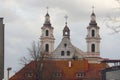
pixel 66 30
pixel 93 38
pixel 47 38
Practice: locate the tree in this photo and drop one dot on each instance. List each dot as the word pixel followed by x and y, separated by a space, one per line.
pixel 113 21
pixel 37 56
pixel 42 69
pixel 34 54
pixel 40 66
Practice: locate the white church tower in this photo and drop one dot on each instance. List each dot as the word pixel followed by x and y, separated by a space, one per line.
pixel 47 37
pixel 93 38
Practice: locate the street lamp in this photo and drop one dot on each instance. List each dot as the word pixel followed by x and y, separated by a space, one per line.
pixel 8 70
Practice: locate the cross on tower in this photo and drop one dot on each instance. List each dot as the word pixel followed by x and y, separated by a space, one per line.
pixel 93 8
pixel 66 17
pixel 47 8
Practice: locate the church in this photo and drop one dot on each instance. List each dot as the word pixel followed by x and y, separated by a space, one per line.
pixel 66 50
pixel 66 62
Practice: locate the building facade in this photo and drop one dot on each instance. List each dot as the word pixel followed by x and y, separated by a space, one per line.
pixel 113 72
pixel 66 62
pixel 1 49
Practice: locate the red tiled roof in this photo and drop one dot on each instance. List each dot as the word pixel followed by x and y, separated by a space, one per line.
pixel 50 67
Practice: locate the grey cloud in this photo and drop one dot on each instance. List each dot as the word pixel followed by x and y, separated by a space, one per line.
pixel 8 14
pixel 73 8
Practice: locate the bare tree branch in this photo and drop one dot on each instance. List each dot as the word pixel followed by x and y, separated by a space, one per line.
pixel 34 53
pixel 113 20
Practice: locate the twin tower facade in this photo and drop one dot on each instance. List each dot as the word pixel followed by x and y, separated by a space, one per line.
pixel 65 49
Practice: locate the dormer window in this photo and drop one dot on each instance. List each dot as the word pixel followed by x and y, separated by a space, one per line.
pixel 57 74
pixel 28 74
pixel 80 74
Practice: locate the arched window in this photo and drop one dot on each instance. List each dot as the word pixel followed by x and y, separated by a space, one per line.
pixel 62 53
pixel 47 32
pixel 93 33
pixel 66 33
pixel 68 53
pixel 46 47
pixel 93 47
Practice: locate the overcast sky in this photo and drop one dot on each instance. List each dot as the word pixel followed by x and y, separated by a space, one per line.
pixel 23 20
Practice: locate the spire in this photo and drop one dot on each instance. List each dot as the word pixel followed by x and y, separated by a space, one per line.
pixel 66 30
pixel 47 18
pixel 93 17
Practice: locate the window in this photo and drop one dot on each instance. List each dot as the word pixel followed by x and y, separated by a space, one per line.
pixel 47 32
pixel 57 74
pixel 46 47
pixel 65 45
pixel 68 53
pixel 80 74
pixel 93 47
pixel 62 53
pixel 93 33
pixel 28 74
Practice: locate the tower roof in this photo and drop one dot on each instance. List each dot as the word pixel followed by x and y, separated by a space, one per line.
pixel 47 14
pixel 66 30
pixel 47 19
pixel 93 14
pixel 93 18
